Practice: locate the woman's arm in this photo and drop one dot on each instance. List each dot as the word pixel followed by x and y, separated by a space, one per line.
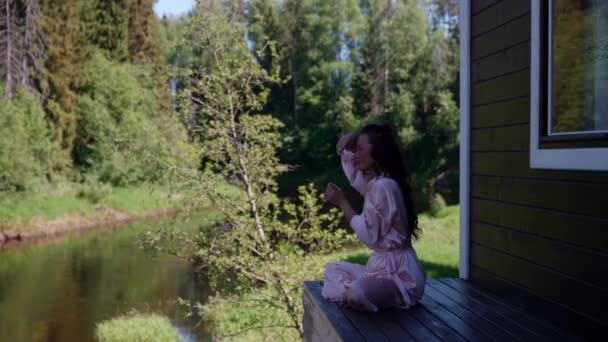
pixel 348 211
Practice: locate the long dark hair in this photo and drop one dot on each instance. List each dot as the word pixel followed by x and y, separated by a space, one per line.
pixel 387 155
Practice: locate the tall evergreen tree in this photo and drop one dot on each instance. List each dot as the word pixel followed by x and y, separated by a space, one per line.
pixel 144 34
pixel 144 45
pixel 107 26
pixel 22 47
pixel 67 51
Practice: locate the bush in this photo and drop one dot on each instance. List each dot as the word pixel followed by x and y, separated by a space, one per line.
pixel 25 143
pixel 437 205
pixel 93 190
pixel 121 135
pixel 137 327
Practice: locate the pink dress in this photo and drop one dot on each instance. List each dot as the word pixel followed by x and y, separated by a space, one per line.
pixel 393 276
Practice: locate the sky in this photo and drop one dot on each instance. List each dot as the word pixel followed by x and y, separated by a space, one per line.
pixel 175 7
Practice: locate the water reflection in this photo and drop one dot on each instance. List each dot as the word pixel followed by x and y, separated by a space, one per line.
pixel 58 291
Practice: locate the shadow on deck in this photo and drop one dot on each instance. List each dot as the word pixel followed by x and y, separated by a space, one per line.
pixel 451 310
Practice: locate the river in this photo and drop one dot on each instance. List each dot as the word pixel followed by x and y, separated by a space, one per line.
pixel 58 290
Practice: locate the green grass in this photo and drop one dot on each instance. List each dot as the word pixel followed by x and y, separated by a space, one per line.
pixel 140 327
pixel 62 199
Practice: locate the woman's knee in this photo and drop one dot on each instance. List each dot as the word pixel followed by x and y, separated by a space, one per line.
pixel 331 268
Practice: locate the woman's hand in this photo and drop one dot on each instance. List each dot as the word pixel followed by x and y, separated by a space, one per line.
pixel 347 141
pixel 334 194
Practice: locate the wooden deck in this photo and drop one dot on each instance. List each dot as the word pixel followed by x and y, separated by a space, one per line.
pixel 451 310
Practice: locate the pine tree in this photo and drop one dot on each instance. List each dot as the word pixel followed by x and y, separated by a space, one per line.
pixel 67 51
pixel 107 26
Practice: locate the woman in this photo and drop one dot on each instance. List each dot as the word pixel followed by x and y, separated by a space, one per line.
pixel 393 276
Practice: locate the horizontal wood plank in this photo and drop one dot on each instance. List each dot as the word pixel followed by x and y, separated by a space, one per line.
pixel 415 328
pixel 480 5
pixel 497 15
pixel 572 294
pixel 576 198
pixel 450 310
pixel 509 112
pixel 326 318
pixel 453 321
pixel 582 231
pixel 575 262
pixel 571 326
pixel 513 33
pixel 488 328
pixel 535 324
pixel 502 88
pixel 496 139
pixel 517 165
pixel 504 62
pixel 435 324
pixel 493 313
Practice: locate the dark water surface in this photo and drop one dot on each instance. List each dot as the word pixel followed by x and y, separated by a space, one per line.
pixel 58 290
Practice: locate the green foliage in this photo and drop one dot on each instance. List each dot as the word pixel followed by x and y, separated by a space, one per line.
pixel 234 315
pixel 63 69
pixel 121 137
pixel 437 205
pixel 25 145
pixel 137 327
pixel 59 200
pixel 262 236
pixel 93 190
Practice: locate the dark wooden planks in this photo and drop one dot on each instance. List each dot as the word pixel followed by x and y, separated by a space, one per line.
pixel 535 325
pixel 545 283
pixel 327 319
pixel 576 262
pixel 497 15
pixel 569 324
pixel 590 232
pixel 371 327
pixel 480 5
pixel 513 111
pixel 502 88
pixel 506 36
pixel 573 197
pixel 487 329
pixel 417 330
pixel 504 62
pixel 451 310
pixel 434 323
pixel 491 313
pixel 455 322
pixel 507 138
pixel 517 165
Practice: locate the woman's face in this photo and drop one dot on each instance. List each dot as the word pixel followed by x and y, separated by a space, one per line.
pixel 363 153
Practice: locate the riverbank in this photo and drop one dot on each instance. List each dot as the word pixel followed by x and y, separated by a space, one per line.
pixel 62 208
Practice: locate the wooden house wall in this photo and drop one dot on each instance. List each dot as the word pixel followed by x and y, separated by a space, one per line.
pixel 541 232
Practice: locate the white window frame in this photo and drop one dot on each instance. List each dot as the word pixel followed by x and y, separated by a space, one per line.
pixel 563 158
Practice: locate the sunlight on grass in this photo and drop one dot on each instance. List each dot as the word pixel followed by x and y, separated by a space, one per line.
pixel 141 327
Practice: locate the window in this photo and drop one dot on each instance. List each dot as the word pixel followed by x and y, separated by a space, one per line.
pixel 569 85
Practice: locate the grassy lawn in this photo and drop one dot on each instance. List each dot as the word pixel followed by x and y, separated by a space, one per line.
pixel 67 199
pixel 140 327
pixel 437 249
pixel 65 203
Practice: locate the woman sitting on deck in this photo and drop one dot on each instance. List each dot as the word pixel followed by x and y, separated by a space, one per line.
pixel 393 276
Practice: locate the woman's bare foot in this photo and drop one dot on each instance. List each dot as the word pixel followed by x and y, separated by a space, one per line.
pixel 355 298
